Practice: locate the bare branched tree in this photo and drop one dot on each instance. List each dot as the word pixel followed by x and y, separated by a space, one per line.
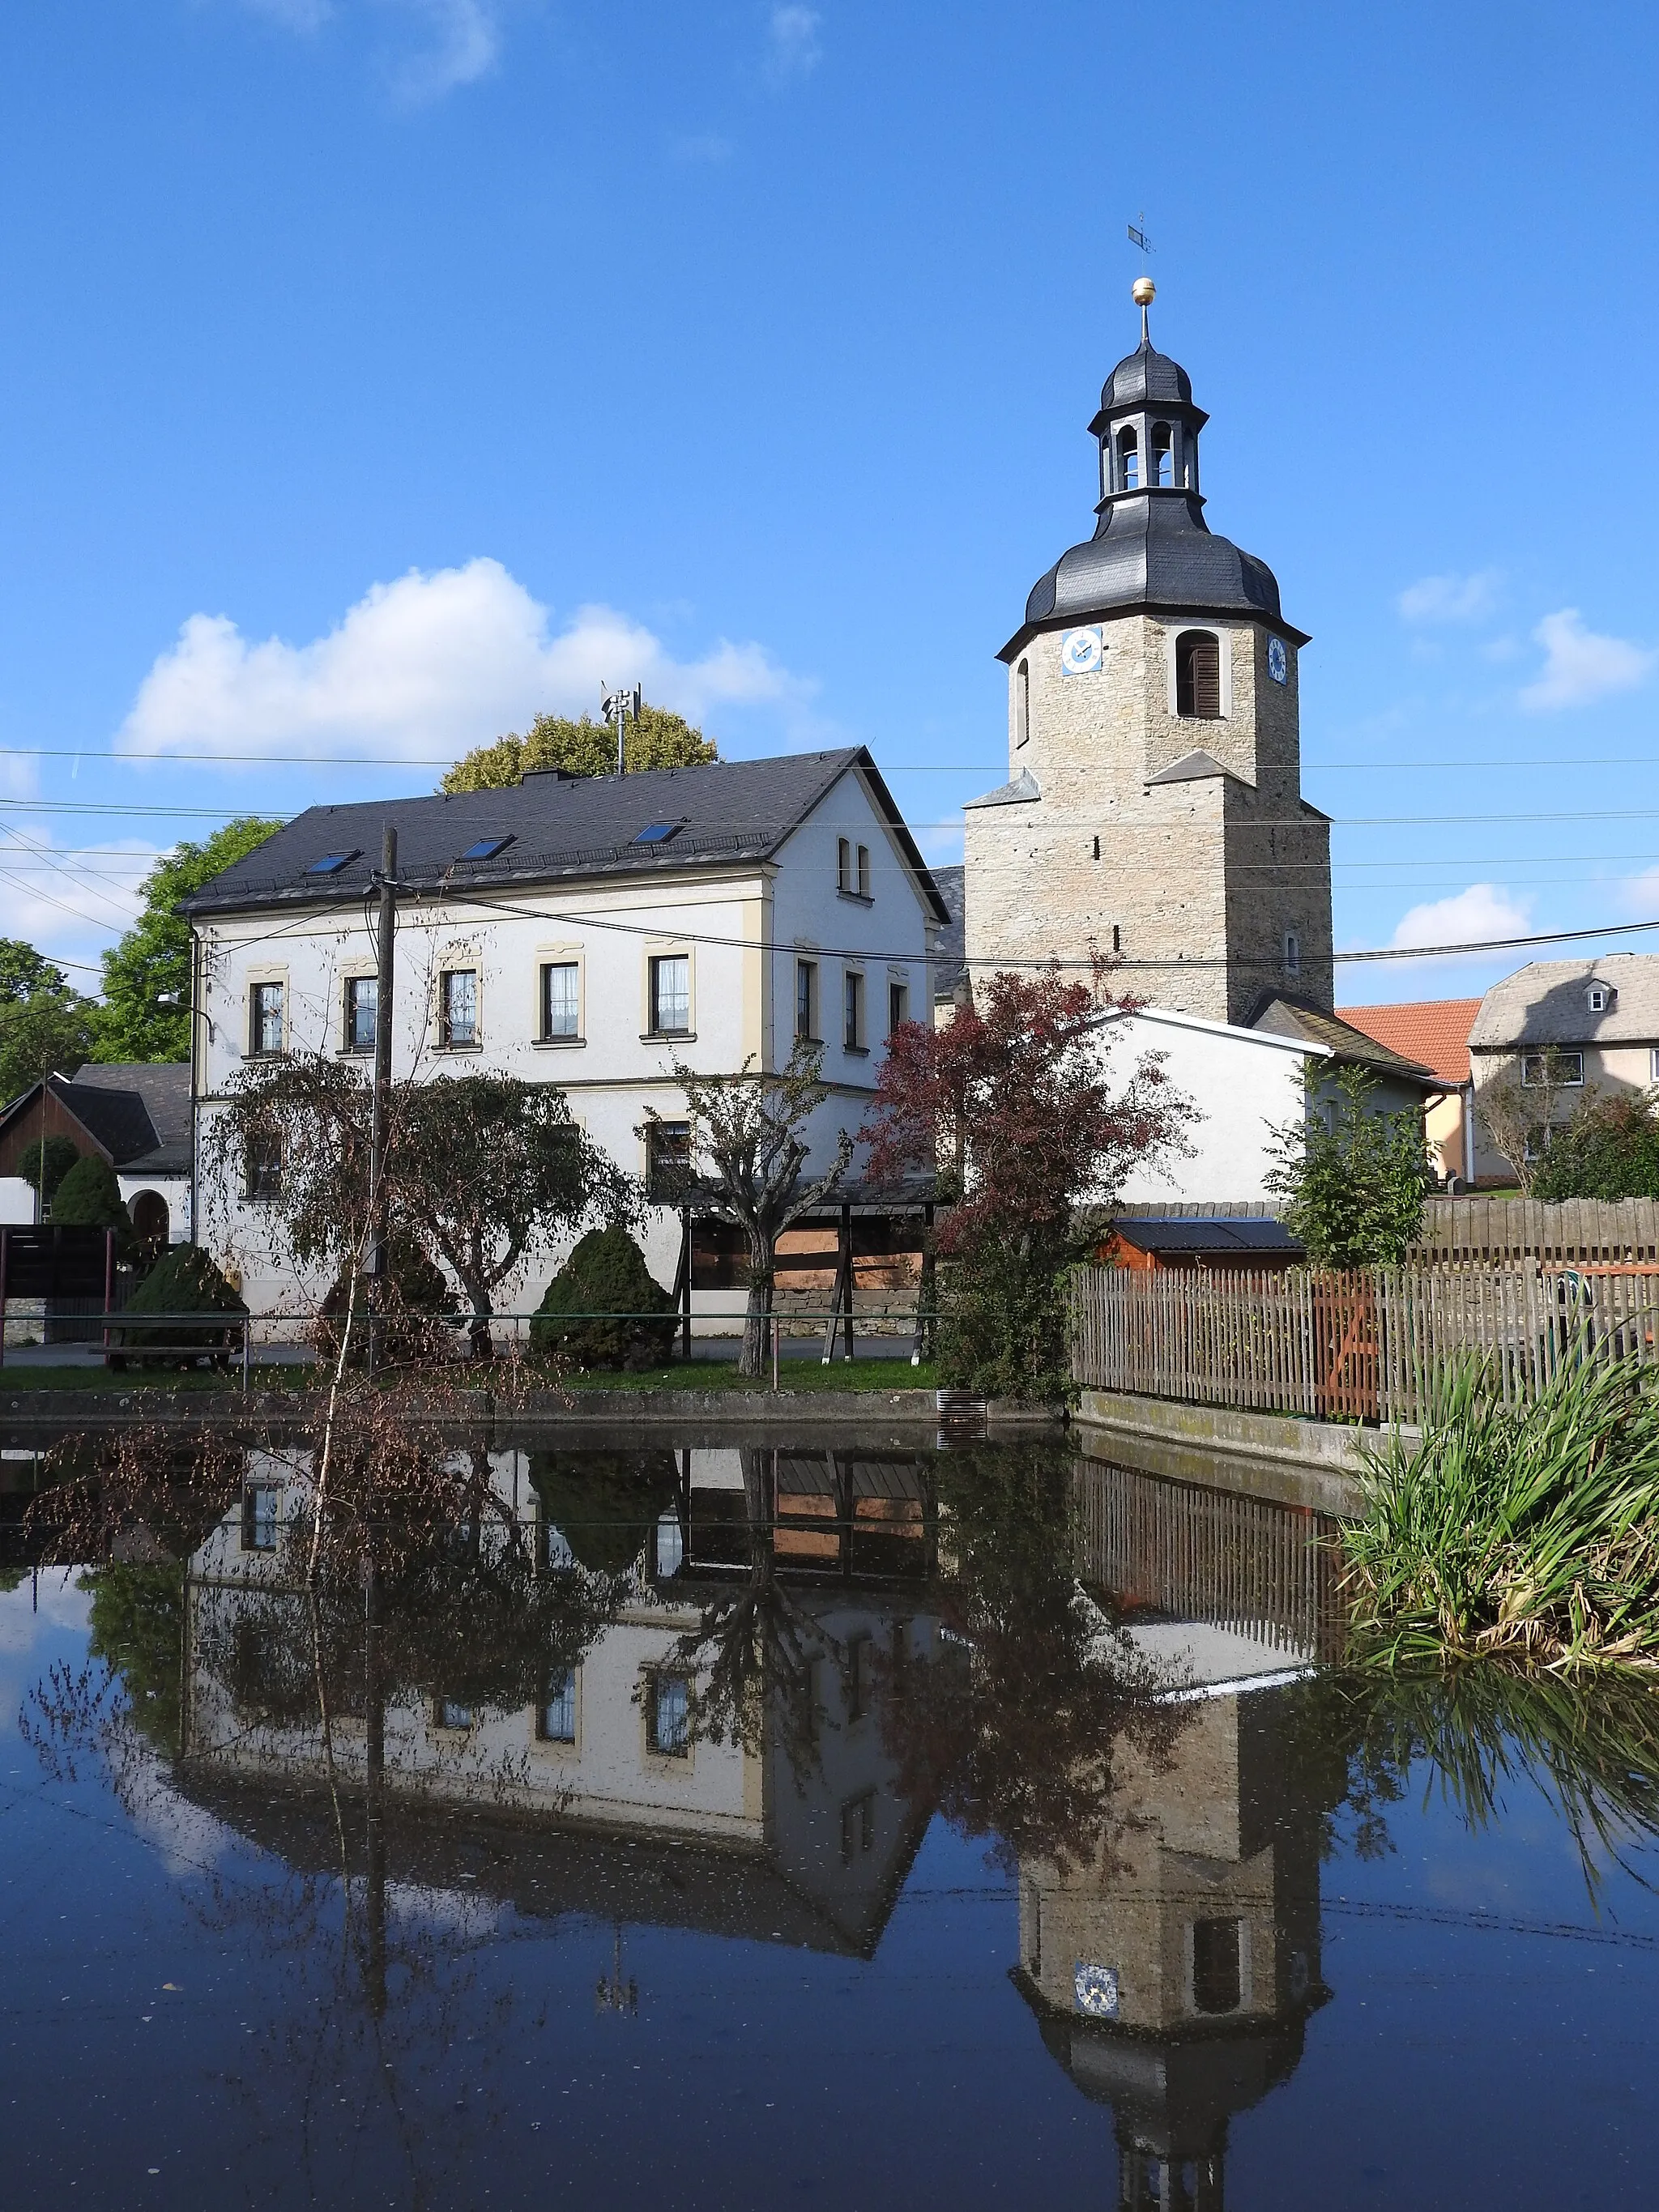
pixel 1521 1107
pixel 748 1164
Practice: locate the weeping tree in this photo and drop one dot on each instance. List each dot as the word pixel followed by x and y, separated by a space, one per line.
pixel 748 1162
pixel 481 1170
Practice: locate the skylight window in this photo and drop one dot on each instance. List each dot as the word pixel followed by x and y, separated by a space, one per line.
pixel 486 848
pixel 331 863
pixel 657 833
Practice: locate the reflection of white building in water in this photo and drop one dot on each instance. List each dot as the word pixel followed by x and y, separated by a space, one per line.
pixel 822 1839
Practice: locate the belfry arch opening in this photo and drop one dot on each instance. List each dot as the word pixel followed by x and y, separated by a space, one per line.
pixel 1022 703
pixel 1198 676
pixel 1128 461
pixel 1163 456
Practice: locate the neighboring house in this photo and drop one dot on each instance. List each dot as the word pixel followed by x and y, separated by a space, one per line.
pixel 1434 1033
pixel 1399 1085
pixel 135 1114
pixel 1598 1019
pixel 586 932
pixel 1246 1084
pixel 951 968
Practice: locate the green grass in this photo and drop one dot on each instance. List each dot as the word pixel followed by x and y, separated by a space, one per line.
pixel 793 1375
pixel 1530 1533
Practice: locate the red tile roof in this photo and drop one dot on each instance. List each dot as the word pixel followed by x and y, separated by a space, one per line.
pixel 1435 1031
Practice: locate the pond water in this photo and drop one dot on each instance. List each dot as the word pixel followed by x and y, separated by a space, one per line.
pixel 737 1823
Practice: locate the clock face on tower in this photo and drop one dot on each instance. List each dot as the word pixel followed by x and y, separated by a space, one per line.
pixel 1278 666
pixel 1082 651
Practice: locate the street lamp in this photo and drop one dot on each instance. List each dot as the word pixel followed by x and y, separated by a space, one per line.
pixel 177 999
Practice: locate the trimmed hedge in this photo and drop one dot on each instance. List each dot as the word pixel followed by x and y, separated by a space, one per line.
pixel 607 1273
pixel 185 1280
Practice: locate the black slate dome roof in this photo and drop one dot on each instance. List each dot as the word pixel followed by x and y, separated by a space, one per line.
pixel 1155 551
pixel 1146 377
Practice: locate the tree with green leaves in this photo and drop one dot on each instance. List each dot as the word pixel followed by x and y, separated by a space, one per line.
pixel 1352 1177
pixel 659 738
pixel 1608 1147
pixel 23 971
pixel 47 1032
pixel 153 956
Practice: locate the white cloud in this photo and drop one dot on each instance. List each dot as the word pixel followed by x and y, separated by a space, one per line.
pixel 430 664
pixel 1451 598
pixel 792 39
pixel 1483 911
pixel 74 904
pixel 1639 895
pixel 465 42
pixel 1580 665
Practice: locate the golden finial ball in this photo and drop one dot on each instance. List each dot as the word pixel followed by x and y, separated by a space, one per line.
pixel 1143 292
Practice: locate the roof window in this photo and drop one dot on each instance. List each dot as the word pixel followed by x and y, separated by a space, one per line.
pixel 1600 997
pixel 331 863
pixel 485 848
pixel 657 833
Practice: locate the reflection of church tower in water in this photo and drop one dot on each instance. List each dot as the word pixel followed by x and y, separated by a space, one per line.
pixel 1154 804
pixel 1173 1975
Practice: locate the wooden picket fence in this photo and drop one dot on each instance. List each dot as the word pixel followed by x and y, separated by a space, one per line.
pixel 1361 1345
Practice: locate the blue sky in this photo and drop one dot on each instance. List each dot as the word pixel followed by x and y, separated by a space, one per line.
pixel 377 371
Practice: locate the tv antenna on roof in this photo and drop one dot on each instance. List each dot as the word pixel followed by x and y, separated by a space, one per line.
pixel 620 707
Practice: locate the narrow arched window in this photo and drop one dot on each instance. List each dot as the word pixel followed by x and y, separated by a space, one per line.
pixel 1198 675
pixel 1163 455
pixel 1022 703
pixel 1128 461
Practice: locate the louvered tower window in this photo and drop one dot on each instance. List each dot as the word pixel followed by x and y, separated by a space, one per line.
pixel 1198 676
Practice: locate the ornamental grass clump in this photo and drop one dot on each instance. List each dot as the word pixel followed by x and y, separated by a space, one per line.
pixel 1530 1532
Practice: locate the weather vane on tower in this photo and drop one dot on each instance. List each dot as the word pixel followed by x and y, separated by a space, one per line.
pixel 1143 292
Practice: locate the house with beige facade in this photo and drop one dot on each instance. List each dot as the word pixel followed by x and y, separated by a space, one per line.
pixel 1564 1029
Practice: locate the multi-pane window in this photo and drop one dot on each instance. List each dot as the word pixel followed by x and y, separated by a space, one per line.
pixel 560 1000
pixel 266 1017
pixel 453 1713
pixel 806 1001
pixel 1541 1069
pixel 671 1716
pixel 671 994
pixel 458 1007
pixel 362 1007
pixel 263 1164
pixel 852 868
pixel 667 1159
pixel 864 871
pixel 557 1718
pixel 1198 675
pixel 852 1010
pixel 844 864
pixel 898 1005
pixel 261 1506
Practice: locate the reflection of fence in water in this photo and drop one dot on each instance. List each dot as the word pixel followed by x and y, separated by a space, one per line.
pixel 1247 1564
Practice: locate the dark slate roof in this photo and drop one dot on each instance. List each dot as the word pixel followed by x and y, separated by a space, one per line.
pixel 1291 1017
pixel 1154 548
pixel 952 947
pixel 1144 377
pixel 137 1115
pixel 1232 1237
pixel 560 826
pixel 1024 787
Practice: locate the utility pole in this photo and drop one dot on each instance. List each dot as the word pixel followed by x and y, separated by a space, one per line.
pixel 386 883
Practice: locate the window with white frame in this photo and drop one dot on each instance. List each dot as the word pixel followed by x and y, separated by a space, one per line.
pixel 667 1160
pixel 261 1517
pixel 1538 1069
pixel 458 1008
pixel 1198 675
pixel 362 1008
pixel 864 871
pixel 669 1716
pixel 1653 1063
pixel 898 1003
pixel 853 1023
pixel 806 1001
pixel 262 1169
pixel 562 1001
pixel 451 1713
pixel 264 1034
pixel 555 1720
pixel 844 864
pixel 1598 997
pixel 670 993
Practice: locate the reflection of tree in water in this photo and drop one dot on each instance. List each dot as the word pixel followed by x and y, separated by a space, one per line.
pixel 415 1580
pixel 1012 1728
pixel 1481 1735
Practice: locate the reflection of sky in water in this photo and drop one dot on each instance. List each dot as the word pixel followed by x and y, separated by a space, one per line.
pixel 828 2008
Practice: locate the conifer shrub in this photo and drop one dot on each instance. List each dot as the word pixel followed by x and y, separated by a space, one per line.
pixel 606 1274
pixel 184 1282
pixel 89 1197
pixel 418 1304
pixel 62 1153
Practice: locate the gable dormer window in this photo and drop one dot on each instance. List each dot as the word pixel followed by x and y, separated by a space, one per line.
pixel 1600 997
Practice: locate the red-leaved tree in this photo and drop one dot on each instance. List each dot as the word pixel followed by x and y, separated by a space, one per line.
pixel 1012 1104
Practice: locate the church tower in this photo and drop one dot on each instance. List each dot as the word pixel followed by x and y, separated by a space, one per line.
pixel 1154 804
